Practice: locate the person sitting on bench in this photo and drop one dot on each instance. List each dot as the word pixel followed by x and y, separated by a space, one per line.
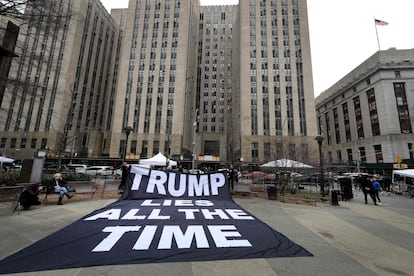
pixel 57 185
pixel 30 196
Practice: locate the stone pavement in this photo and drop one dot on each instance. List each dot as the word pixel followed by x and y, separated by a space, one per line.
pixel 350 239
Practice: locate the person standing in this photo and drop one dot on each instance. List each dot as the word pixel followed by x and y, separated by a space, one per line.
pixel 126 169
pixel 57 185
pixel 387 184
pixel 231 177
pixel 376 189
pixel 366 187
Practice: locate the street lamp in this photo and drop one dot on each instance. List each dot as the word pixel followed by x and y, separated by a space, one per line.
pixel 319 139
pixel 194 137
pixel 127 130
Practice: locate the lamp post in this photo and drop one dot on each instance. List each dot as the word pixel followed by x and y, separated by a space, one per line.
pixel 194 138
pixel 319 139
pixel 127 130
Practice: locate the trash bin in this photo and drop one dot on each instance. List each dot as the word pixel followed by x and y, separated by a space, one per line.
pixel 272 192
pixel 334 197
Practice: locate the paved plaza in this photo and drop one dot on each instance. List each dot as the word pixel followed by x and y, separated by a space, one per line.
pixel 350 239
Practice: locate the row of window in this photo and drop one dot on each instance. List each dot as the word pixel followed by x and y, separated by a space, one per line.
pixel 402 109
pixel 362 154
pixel 23 143
pixel 291 148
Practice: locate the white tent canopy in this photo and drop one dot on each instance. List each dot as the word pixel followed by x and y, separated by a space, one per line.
pixel 158 160
pixel 5 160
pixel 285 163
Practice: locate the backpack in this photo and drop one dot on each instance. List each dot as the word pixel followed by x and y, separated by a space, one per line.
pixel 376 186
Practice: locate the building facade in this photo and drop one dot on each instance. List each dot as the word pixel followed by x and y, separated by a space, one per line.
pixel 367 118
pixel 276 100
pixel 156 79
pixel 58 92
pixel 222 84
pixel 230 84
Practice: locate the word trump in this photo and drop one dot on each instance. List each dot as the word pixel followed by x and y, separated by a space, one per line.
pixel 176 184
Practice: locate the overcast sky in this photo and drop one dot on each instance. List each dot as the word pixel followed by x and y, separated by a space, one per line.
pixel 343 34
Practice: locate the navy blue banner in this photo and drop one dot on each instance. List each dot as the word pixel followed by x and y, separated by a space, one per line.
pixel 162 217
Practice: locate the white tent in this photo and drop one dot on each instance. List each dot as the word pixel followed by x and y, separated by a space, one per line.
pixel 6 160
pixel 285 163
pixel 158 160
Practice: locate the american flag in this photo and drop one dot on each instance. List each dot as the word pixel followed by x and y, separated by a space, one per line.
pixel 380 22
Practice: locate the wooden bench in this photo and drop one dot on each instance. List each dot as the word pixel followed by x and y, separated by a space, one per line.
pixel 12 194
pixel 76 187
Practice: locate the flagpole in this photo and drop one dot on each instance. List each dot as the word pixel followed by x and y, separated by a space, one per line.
pixel 376 31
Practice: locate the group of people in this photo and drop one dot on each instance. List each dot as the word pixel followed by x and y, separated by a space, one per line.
pixel 30 195
pixel 371 187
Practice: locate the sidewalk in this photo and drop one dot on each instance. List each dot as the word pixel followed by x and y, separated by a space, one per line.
pixel 350 239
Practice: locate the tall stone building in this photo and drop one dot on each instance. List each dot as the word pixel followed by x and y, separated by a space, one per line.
pixel 227 83
pixel 217 84
pixel 275 90
pixel 367 118
pixel 156 85
pixel 59 90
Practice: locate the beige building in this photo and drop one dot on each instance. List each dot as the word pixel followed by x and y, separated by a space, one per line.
pixel 219 84
pixel 275 89
pixel 367 117
pixel 229 83
pixel 157 76
pixel 59 92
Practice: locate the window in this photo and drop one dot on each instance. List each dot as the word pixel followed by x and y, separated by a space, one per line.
pixel 305 152
pixel 328 129
pixel 402 108
pixel 292 151
pixel 3 143
pixel 336 125
pixel 346 122
pixel 358 118
pixel 362 154
pixel 397 74
pixel 23 142
pixel 349 154
pixel 156 147
pixel 44 143
pixel 33 143
pixel 13 143
pixel 133 148
pixel 378 153
pixel 339 155
pixel 144 149
pixel 255 152
pixel 122 148
pixel 267 152
pixel 372 106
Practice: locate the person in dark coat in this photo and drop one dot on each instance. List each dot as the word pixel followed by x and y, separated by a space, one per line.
pixel 367 188
pixel 30 196
pixel 126 169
